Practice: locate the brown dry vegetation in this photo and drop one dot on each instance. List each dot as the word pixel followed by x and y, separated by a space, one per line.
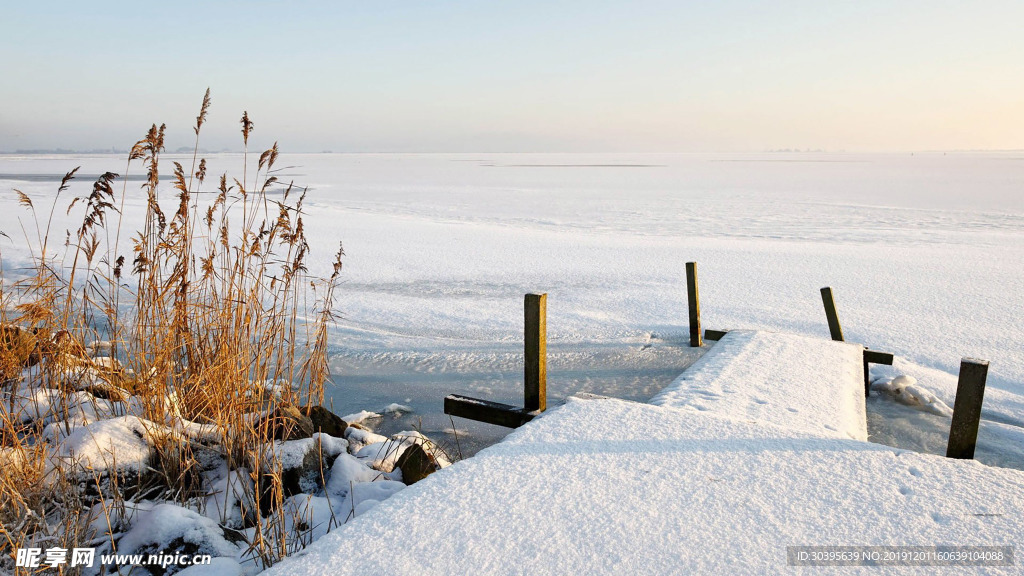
pixel 202 305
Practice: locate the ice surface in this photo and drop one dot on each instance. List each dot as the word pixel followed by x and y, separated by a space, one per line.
pixel 923 252
pixel 794 381
pixel 613 487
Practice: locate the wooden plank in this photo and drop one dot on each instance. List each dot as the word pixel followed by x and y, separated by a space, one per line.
pixel 693 303
pixel 876 357
pixel 970 392
pixel 715 335
pixel 535 348
pixel 486 411
pixel 830 312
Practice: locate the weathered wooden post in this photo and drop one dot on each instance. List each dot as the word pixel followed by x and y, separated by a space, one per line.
pixel 830 312
pixel 970 391
pixel 693 301
pixel 535 389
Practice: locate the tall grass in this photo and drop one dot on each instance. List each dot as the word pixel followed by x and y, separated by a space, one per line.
pixel 206 305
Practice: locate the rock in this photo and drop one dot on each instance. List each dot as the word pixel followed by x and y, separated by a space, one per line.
pixel 298 465
pixel 325 421
pixel 416 464
pixel 286 422
pixel 305 477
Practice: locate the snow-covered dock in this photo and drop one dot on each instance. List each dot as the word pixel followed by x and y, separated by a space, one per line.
pixel 793 381
pixel 721 478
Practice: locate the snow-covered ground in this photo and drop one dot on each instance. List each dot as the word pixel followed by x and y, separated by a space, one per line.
pixel 924 253
pixel 615 487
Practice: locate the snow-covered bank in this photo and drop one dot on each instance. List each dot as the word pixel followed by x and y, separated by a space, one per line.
pixel 607 487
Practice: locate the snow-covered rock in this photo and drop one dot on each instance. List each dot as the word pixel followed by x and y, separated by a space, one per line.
pixel 905 390
pixel 347 471
pixel 170 529
pixel 359 438
pixel 357 417
pixel 125 442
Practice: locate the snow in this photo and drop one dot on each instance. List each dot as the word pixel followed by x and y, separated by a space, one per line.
pixel 794 381
pixel 290 454
pixel 612 487
pixel 358 439
pixel 217 567
pixel 348 470
pixel 229 493
pixel 396 408
pixel 329 445
pixel 358 417
pixel 310 515
pixel 155 530
pixel 25 406
pixel 113 443
pixel 904 389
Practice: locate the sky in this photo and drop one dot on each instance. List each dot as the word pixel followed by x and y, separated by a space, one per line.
pixel 523 76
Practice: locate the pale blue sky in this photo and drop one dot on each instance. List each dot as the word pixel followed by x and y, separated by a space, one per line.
pixel 518 76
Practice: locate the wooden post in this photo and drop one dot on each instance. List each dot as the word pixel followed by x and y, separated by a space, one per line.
pixel 535 391
pixel 693 301
pixel 830 312
pixel 970 391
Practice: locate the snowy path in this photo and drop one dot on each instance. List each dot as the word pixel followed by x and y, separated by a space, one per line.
pixel 792 381
pixel 612 487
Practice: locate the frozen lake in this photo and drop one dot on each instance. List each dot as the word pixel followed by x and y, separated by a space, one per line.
pixel 924 252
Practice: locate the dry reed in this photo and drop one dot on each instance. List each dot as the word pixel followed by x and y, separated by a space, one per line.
pixel 207 318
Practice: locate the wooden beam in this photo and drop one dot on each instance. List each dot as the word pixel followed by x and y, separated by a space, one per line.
pixel 486 411
pixel 535 348
pixel 876 357
pixel 715 335
pixel 873 357
pixel 693 303
pixel 830 313
pixel 970 392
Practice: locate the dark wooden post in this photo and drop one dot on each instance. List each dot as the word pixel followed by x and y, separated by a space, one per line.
pixel 830 312
pixel 970 391
pixel 535 391
pixel 693 301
